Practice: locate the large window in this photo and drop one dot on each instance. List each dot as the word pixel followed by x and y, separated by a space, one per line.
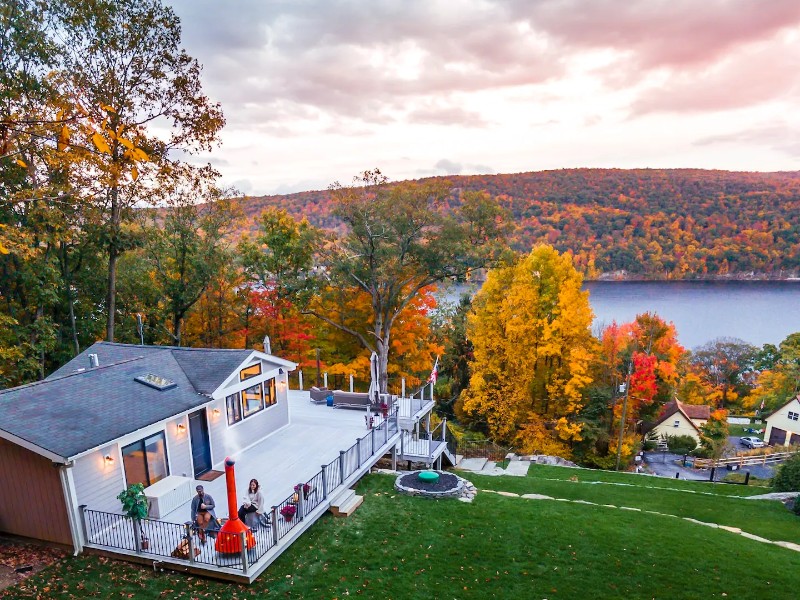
pixel 250 371
pixel 234 408
pixel 270 396
pixel 145 461
pixel 250 401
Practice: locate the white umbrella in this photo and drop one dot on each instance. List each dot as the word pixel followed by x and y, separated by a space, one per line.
pixel 374 387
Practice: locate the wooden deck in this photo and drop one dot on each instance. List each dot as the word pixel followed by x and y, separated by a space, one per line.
pixel 316 436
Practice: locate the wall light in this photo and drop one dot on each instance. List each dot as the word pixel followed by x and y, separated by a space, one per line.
pixel 181 427
pixel 109 459
pixel 215 412
pixel 280 371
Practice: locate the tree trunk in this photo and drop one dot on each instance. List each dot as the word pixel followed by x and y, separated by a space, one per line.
pixel 111 297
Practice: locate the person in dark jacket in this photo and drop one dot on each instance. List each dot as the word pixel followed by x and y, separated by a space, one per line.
pixel 203 514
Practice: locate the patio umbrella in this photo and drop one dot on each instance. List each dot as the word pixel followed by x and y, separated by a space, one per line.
pixel 374 387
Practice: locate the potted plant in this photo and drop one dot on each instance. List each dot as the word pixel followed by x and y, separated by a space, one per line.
pixel 384 409
pixel 288 512
pixel 134 504
pixel 306 490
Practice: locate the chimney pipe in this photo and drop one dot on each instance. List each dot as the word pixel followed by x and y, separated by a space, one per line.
pixel 267 345
pixel 93 361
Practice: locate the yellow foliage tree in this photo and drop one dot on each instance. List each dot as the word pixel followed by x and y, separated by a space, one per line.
pixel 532 351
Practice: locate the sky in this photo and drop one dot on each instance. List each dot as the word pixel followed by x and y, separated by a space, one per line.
pixel 317 92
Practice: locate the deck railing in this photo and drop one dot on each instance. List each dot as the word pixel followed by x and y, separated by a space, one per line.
pixel 152 537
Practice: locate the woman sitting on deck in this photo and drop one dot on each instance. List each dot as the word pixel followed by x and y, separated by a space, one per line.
pixel 253 506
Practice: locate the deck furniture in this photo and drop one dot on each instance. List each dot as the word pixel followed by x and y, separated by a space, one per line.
pixel 319 394
pixel 351 400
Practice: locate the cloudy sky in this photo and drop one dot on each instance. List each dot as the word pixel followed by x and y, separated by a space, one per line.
pixel 316 92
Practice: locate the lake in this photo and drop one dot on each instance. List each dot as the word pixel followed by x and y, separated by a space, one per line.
pixel 758 312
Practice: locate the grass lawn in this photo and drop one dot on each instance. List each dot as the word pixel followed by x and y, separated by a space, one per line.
pixel 496 547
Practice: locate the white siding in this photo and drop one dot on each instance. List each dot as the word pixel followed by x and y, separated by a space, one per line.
pixel 780 419
pixel 98 481
pixel 684 426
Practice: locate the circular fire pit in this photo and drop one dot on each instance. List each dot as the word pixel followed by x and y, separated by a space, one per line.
pixel 445 485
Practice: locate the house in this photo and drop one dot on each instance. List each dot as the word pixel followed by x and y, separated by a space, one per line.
pixel 783 425
pixel 677 418
pixel 119 414
pixel 167 418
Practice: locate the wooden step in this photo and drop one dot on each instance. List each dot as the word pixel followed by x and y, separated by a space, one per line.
pixel 348 509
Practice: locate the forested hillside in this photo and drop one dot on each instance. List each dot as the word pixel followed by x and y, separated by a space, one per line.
pixel 650 223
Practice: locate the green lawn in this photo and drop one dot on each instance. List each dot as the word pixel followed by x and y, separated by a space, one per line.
pixel 496 547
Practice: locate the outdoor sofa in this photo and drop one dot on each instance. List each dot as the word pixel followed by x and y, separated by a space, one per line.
pixel 319 394
pixel 351 400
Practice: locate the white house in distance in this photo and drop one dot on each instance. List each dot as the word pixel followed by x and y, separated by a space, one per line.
pixel 677 418
pixel 783 425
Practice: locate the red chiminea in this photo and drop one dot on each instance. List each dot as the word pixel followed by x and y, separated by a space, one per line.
pixel 229 539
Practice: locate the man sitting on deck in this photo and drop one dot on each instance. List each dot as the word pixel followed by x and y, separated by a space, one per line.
pixel 203 514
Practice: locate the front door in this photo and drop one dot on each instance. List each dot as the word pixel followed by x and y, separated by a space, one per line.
pixel 201 450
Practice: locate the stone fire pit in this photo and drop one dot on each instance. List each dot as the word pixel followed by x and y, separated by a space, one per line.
pixel 446 486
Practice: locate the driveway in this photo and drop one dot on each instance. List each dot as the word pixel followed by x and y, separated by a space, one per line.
pixel 665 464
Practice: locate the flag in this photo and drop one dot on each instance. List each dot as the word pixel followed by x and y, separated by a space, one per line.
pixel 434 372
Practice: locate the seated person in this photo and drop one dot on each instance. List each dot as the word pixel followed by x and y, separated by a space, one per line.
pixel 203 514
pixel 253 506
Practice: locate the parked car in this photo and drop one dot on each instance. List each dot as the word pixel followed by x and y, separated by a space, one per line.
pixel 752 442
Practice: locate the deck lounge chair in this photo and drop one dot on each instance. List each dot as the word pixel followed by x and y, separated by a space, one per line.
pixel 351 400
pixel 319 395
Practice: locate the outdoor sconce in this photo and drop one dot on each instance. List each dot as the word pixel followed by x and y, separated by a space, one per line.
pixel 280 371
pixel 181 427
pixel 109 459
pixel 215 412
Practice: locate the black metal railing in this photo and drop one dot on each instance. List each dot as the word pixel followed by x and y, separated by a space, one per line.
pixel 482 449
pixel 184 542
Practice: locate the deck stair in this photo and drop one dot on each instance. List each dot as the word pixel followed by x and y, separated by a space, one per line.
pixel 346 503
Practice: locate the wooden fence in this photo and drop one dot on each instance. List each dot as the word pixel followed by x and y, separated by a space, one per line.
pixel 744 460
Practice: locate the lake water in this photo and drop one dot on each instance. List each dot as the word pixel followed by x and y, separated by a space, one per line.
pixel 758 312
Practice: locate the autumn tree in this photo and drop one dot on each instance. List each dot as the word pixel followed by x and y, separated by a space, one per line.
pixel 530 330
pixel 122 63
pixel 398 240
pixel 187 245
pixel 725 364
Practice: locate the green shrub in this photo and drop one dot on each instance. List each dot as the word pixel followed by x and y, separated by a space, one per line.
pixel 787 479
pixel 681 444
pixel 796 507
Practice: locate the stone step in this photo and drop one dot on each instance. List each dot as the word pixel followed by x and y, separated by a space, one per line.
pixel 518 468
pixel 490 465
pixel 472 464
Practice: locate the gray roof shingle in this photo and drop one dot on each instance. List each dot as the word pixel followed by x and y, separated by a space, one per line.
pixel 78 408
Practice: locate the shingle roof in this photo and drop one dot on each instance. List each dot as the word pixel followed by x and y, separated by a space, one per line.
pixel 79 408
pixel 692 411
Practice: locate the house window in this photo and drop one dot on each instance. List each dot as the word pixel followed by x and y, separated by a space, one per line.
pixel 252 400
pixel 677 423
pixel 270 397
pixel 793 416
pixel 234 407
pixel 250 371
pixel 145 461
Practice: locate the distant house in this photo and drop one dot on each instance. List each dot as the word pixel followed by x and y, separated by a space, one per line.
pixel 783 425
pixel 677 418
pixel 119 414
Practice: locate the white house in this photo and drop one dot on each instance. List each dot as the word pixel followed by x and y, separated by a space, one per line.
pixel 783 425
pixel 119 414
pixel 677 418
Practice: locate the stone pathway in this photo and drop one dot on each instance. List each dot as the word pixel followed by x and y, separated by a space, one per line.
pixel 736 530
